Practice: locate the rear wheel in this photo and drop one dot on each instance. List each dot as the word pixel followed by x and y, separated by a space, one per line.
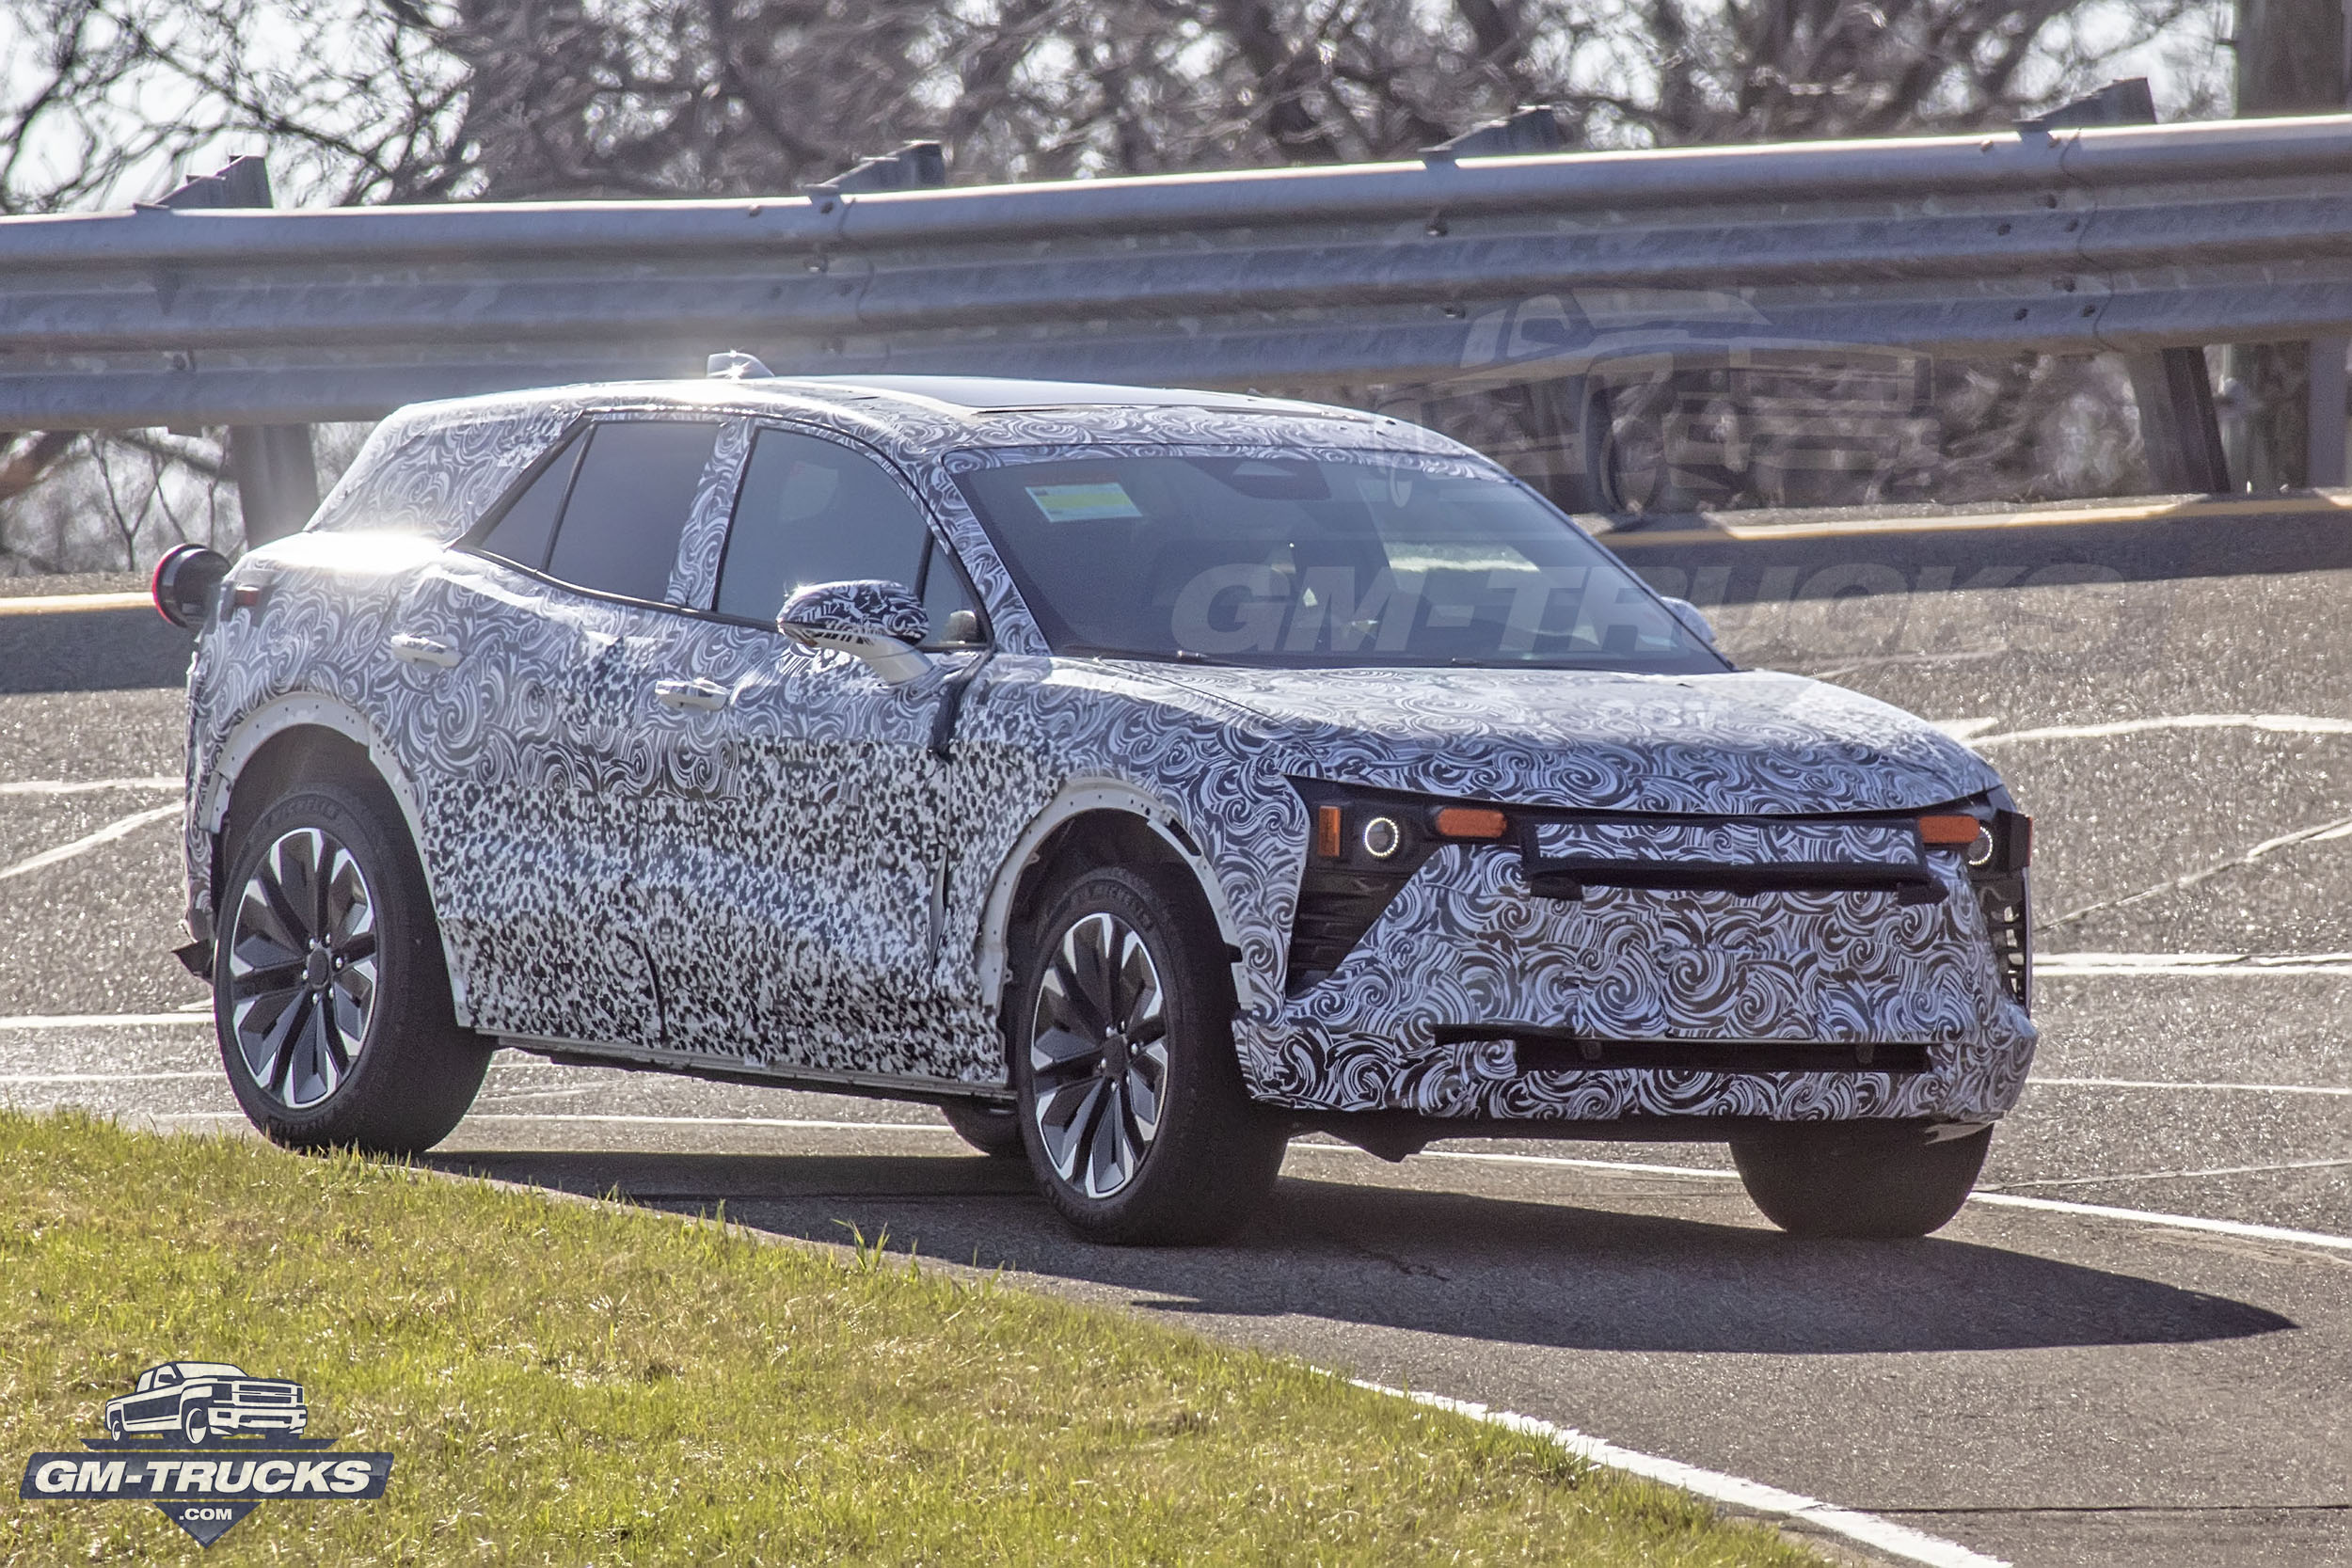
pixel 994 1130
pixel 1858 1179
pixel 330 994
pixel 1131 1103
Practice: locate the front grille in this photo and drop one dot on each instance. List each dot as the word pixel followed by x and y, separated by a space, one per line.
pixel 265 1396
pixel 2008 922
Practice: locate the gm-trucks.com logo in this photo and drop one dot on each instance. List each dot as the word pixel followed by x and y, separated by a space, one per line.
pixel 207 1445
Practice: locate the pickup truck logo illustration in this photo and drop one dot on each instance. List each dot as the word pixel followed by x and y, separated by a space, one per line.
pixel 208 1445
pixel 196 1401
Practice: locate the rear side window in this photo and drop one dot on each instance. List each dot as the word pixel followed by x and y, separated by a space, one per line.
pixel 627 506
pixel 523 533
pixel 813 512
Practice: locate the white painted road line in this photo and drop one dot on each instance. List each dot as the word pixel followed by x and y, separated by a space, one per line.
pixel 2172 1222
pixel 118 828
pixel 2005 1201
pixel 2170 1175
pixel 104 1020
pixel 2318 833
pixel 2064 966
pixel 2182 1087
pixel 85 786
pixel 722 1121
pixel 104 1077
pixel 1753 1496
pixel 2277 723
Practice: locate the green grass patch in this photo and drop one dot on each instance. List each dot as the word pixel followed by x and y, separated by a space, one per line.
pixel 572 1383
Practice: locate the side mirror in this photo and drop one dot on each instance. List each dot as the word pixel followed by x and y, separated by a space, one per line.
pixel 882 623
pixel 1693 620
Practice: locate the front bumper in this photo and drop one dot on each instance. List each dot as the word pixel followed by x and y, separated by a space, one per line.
pixel 229 1417
pixel 1473 997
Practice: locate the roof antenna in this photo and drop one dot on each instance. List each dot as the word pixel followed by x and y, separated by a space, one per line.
pixel 734 365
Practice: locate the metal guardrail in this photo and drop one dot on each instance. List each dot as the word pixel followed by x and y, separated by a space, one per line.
pixel 1495 270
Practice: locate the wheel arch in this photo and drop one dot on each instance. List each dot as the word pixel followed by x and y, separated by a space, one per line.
pixel 1095 822
pixel 287 738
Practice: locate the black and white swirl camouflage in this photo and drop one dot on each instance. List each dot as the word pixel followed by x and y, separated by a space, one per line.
pixel 796 881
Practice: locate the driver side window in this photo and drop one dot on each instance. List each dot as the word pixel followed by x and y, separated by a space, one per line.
pixel 810 512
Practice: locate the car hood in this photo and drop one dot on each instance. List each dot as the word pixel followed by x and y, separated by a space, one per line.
pixel 1747 742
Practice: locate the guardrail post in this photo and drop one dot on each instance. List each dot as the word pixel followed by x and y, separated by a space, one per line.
pixel 2324 451
pixel 275 468
pixel 2178 426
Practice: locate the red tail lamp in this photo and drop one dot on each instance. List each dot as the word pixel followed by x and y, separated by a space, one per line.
pixel 1951 831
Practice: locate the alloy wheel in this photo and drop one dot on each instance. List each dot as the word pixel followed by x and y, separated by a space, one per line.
pixel 1098 1055
pixel 302 968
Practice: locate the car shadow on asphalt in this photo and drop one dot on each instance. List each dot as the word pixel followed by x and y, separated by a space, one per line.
pixel 1507 1270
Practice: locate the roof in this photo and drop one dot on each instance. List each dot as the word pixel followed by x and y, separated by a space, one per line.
pixel 921 418
pixel 984 394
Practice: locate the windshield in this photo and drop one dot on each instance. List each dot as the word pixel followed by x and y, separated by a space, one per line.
pixel 1336 559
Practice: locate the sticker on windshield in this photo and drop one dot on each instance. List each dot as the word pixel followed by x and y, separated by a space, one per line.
pixel 1083 504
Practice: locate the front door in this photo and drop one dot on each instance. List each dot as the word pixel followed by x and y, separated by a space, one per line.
pixel 798 897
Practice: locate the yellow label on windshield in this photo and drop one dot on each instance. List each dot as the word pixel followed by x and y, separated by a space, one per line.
pixel 1083 503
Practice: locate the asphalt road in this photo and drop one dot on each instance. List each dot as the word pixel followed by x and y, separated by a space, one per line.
pixel 2046 1386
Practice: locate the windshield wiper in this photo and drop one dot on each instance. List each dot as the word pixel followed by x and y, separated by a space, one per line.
pixel 1147 656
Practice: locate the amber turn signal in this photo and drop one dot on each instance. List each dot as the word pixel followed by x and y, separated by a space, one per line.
pixel 1954 831
pixel 1327 831
pixel 1468 822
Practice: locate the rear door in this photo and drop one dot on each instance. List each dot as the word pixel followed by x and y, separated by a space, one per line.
pixel 799 897
pixel 542 643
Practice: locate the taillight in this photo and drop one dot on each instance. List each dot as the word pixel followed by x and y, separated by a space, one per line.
pixel 184 582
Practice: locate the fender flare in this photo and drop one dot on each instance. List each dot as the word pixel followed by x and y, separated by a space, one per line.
pixel 1077 797
pixel 315 710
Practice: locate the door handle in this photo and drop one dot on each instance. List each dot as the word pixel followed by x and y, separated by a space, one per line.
pixel 705 696
pixel 411 649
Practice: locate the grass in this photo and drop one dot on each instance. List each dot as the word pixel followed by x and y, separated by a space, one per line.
pixel 572 1383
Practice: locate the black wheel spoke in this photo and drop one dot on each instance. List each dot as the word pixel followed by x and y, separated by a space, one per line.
pixel 281 902
pixel 261 982
pixel 1059 1050
pixel 1074 1009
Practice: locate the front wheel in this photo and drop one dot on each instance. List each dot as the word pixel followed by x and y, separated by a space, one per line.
pixel 330 994
pixel 1131 1103
pixel 1859 1179
pixel 194 1426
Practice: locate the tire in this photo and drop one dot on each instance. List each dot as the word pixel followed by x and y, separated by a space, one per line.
pixel 194 1425
pixel 371 1056
pixel 1858 1179
pixel 994 1130
pixel 1136 1124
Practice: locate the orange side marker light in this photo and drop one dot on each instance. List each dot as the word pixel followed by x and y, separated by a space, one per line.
pixel 1469 822
pixel 1954 831
pixel 1327 831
